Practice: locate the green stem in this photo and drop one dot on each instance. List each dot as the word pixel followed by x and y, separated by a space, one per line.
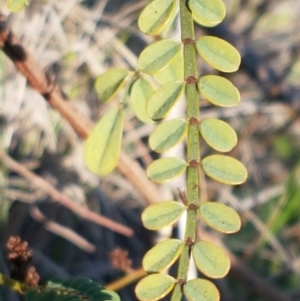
pixel 193 150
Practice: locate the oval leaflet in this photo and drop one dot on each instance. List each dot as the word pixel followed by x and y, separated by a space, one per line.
pixel 220 217
pixel 159 215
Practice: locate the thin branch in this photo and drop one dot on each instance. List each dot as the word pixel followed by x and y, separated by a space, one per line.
pixel 61 198
pixel 62 231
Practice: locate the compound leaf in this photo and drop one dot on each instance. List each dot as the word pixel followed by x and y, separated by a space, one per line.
pixel 165 169
pixel 154 287
pixel 157 56
pixel 140 93
pixel 208 13
pixel 218 90
pixel 109 83
pixel 210 259
pixel 162 214
pixel 218 134
pixel 155 16
pixel 201 290
pixel 220 217
pixel 163 99
pixel 103 145
pixel 218 53
pixel 167 134
pixel 162 255
pixel 224 169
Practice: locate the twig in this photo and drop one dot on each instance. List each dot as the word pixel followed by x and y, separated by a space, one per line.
pixel 62 199
pixel 46 86
pixel 62 231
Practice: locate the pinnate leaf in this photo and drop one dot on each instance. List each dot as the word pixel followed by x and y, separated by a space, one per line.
pixel 224 169
pixel 162 255
pixel 220 217
pixel 218 53
pixel 157 56
pixel 167 134
pixel 109 83
pixel 162 214
pixel 208 13
pixel 154 287
pixel 218 90
pixel 201 290
pixel 163 100
pixel 102 147
pixel 141 91
pixel 218 134
pixel 210 259
pixel 155 16
pixel 165 169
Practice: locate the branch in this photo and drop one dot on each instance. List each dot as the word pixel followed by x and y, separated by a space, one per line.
pixel 61 198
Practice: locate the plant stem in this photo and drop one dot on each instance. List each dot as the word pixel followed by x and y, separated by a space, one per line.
pixel 193 150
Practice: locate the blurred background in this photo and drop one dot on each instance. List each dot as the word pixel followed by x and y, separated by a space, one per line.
pixel 76 41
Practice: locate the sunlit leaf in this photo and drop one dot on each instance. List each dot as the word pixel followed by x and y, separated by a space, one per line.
pixel 167 134
pixel 211 260
pixel 140 93
pixel 109 83
pixel 155 16
pixel 102 147
pixel 218 90
pixel 218 53
pixel 159 215
pixel 157 56
pixel 162 255
pixel 218 134
pixel 224 169
pixel 174 71
pixel 165 169
pixel 154 287
pixel 201 290
pixel 220 217
pixel 163 99
pixel 208 13
pixel 16 5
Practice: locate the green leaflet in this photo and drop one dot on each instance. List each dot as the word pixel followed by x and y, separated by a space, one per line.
pixel 154 287
pixel 157 56
pixel 224 169
pixel 155 16
pixel 208 13
pixel 102 147
pixel 163 99
pixel 210 259
pixel 218 134
pixel 165 169
pixel 218 90
pixel 218 53
pixel 220 217
pixel 109 83
pixel 162 255
pixel 174 71
pixel 16 5
pixel 140 93
pixel 162 214
pixel 167 134
pixel 201 290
